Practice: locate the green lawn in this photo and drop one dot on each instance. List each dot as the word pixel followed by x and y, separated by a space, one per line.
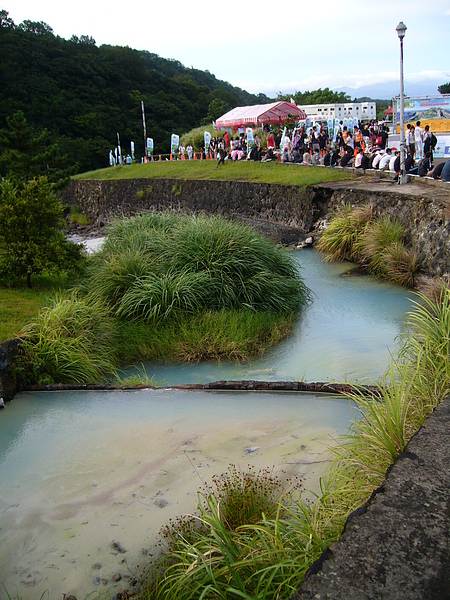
pixel 18 307
pixel 287 174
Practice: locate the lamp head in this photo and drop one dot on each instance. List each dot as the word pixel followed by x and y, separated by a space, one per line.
pixel 401 30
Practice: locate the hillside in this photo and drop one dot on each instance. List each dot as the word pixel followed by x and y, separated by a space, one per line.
pixel 84 95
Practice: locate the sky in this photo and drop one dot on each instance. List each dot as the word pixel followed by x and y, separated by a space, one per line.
pixel 268 47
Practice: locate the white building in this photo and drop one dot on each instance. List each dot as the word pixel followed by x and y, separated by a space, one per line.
pixel 363 111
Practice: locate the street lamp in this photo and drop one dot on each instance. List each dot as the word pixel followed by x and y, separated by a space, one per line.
pixel 401 30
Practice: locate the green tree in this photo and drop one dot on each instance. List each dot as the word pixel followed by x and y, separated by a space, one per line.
pixel 37 27
pixel 444 88
pixel 319 96
pixel 5 20
pixel 216 109
pixel 26 153
pixel 31 231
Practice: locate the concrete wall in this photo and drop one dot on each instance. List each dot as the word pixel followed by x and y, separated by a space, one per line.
pixel 287 214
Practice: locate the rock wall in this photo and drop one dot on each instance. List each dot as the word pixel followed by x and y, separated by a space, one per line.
pixel 284 213
pixel 287 214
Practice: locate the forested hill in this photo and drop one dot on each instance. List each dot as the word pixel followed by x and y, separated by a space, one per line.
pixel 84 95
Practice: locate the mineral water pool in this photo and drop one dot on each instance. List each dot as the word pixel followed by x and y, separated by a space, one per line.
pixel 86 474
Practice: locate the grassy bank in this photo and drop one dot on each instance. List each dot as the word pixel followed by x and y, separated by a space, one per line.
pixel 214 554
pixel 287 174
pixel 166 287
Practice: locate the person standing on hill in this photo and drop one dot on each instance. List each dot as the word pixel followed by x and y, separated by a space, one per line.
pixel 409 140
pixel 418 138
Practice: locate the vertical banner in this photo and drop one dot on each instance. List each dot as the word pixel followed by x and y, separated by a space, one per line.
pixel 207 138
pixel 150 147
pixel 250 139
pixel 174 143
pixel 132 150
pixel 112 162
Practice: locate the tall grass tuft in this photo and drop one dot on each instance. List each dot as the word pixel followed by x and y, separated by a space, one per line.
pixel 71 341
pixel 375 243
pixel 340 239
pixel 153 265
pixel 379 236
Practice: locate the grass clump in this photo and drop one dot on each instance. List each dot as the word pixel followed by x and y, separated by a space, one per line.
pixel 376 244
pixel 77 217
pixel 170 288
pixel 155 266
pixel 344 231
pixel 71 341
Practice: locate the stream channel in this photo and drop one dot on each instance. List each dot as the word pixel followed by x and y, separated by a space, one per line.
pixel 84 475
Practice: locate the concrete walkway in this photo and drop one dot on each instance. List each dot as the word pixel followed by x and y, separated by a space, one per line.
pixel 398 545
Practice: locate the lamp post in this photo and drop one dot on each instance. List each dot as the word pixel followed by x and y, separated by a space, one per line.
pixel 401 30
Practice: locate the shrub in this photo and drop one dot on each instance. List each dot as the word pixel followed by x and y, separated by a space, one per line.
pixel 153 265
pixel 31 231
pixel 70 342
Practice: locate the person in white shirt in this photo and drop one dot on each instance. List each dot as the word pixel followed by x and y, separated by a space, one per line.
pixel 383 165
pixel 418 138
pixel 392 163
pixel 409 140
pixel 376 160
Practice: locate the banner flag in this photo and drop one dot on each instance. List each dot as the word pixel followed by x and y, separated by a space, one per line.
pixel 150 147
pixel 174 143
pixel 207 138
pixel 250 139
pixel 132 149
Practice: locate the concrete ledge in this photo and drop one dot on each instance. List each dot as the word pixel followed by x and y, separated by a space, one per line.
pixel 398 545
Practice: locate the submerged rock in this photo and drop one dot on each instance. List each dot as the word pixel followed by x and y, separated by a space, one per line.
pixel 251 449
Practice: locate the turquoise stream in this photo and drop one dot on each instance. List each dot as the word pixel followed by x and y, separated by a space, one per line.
pixel 80 471
pixel 346 334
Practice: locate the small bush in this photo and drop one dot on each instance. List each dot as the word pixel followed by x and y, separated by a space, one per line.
pixel 70 342
pixel 340 239
pixel 77 217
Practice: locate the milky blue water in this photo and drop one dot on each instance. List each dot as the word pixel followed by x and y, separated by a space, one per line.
pixel 81 470
pixel 347 333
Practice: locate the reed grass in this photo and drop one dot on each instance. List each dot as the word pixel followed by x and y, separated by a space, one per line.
pixel 340 240
pixel 376 244
pixel 153 266
pixel 71 341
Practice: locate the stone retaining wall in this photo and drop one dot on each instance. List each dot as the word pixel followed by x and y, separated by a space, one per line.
pixel 285 213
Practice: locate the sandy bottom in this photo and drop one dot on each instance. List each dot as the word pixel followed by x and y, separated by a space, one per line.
pixel 88 502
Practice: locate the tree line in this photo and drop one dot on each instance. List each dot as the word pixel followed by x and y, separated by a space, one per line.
pixel 83 95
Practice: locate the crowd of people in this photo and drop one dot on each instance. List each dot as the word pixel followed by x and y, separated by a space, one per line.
pixel 363 147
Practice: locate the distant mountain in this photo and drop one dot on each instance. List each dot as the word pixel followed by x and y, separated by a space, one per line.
pixel 391 89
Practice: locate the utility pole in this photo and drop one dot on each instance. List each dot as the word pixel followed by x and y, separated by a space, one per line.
pixel 145 131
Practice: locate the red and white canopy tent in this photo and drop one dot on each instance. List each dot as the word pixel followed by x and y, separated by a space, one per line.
pixel 260 114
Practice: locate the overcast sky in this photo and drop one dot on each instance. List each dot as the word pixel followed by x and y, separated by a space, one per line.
pixel 268 46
